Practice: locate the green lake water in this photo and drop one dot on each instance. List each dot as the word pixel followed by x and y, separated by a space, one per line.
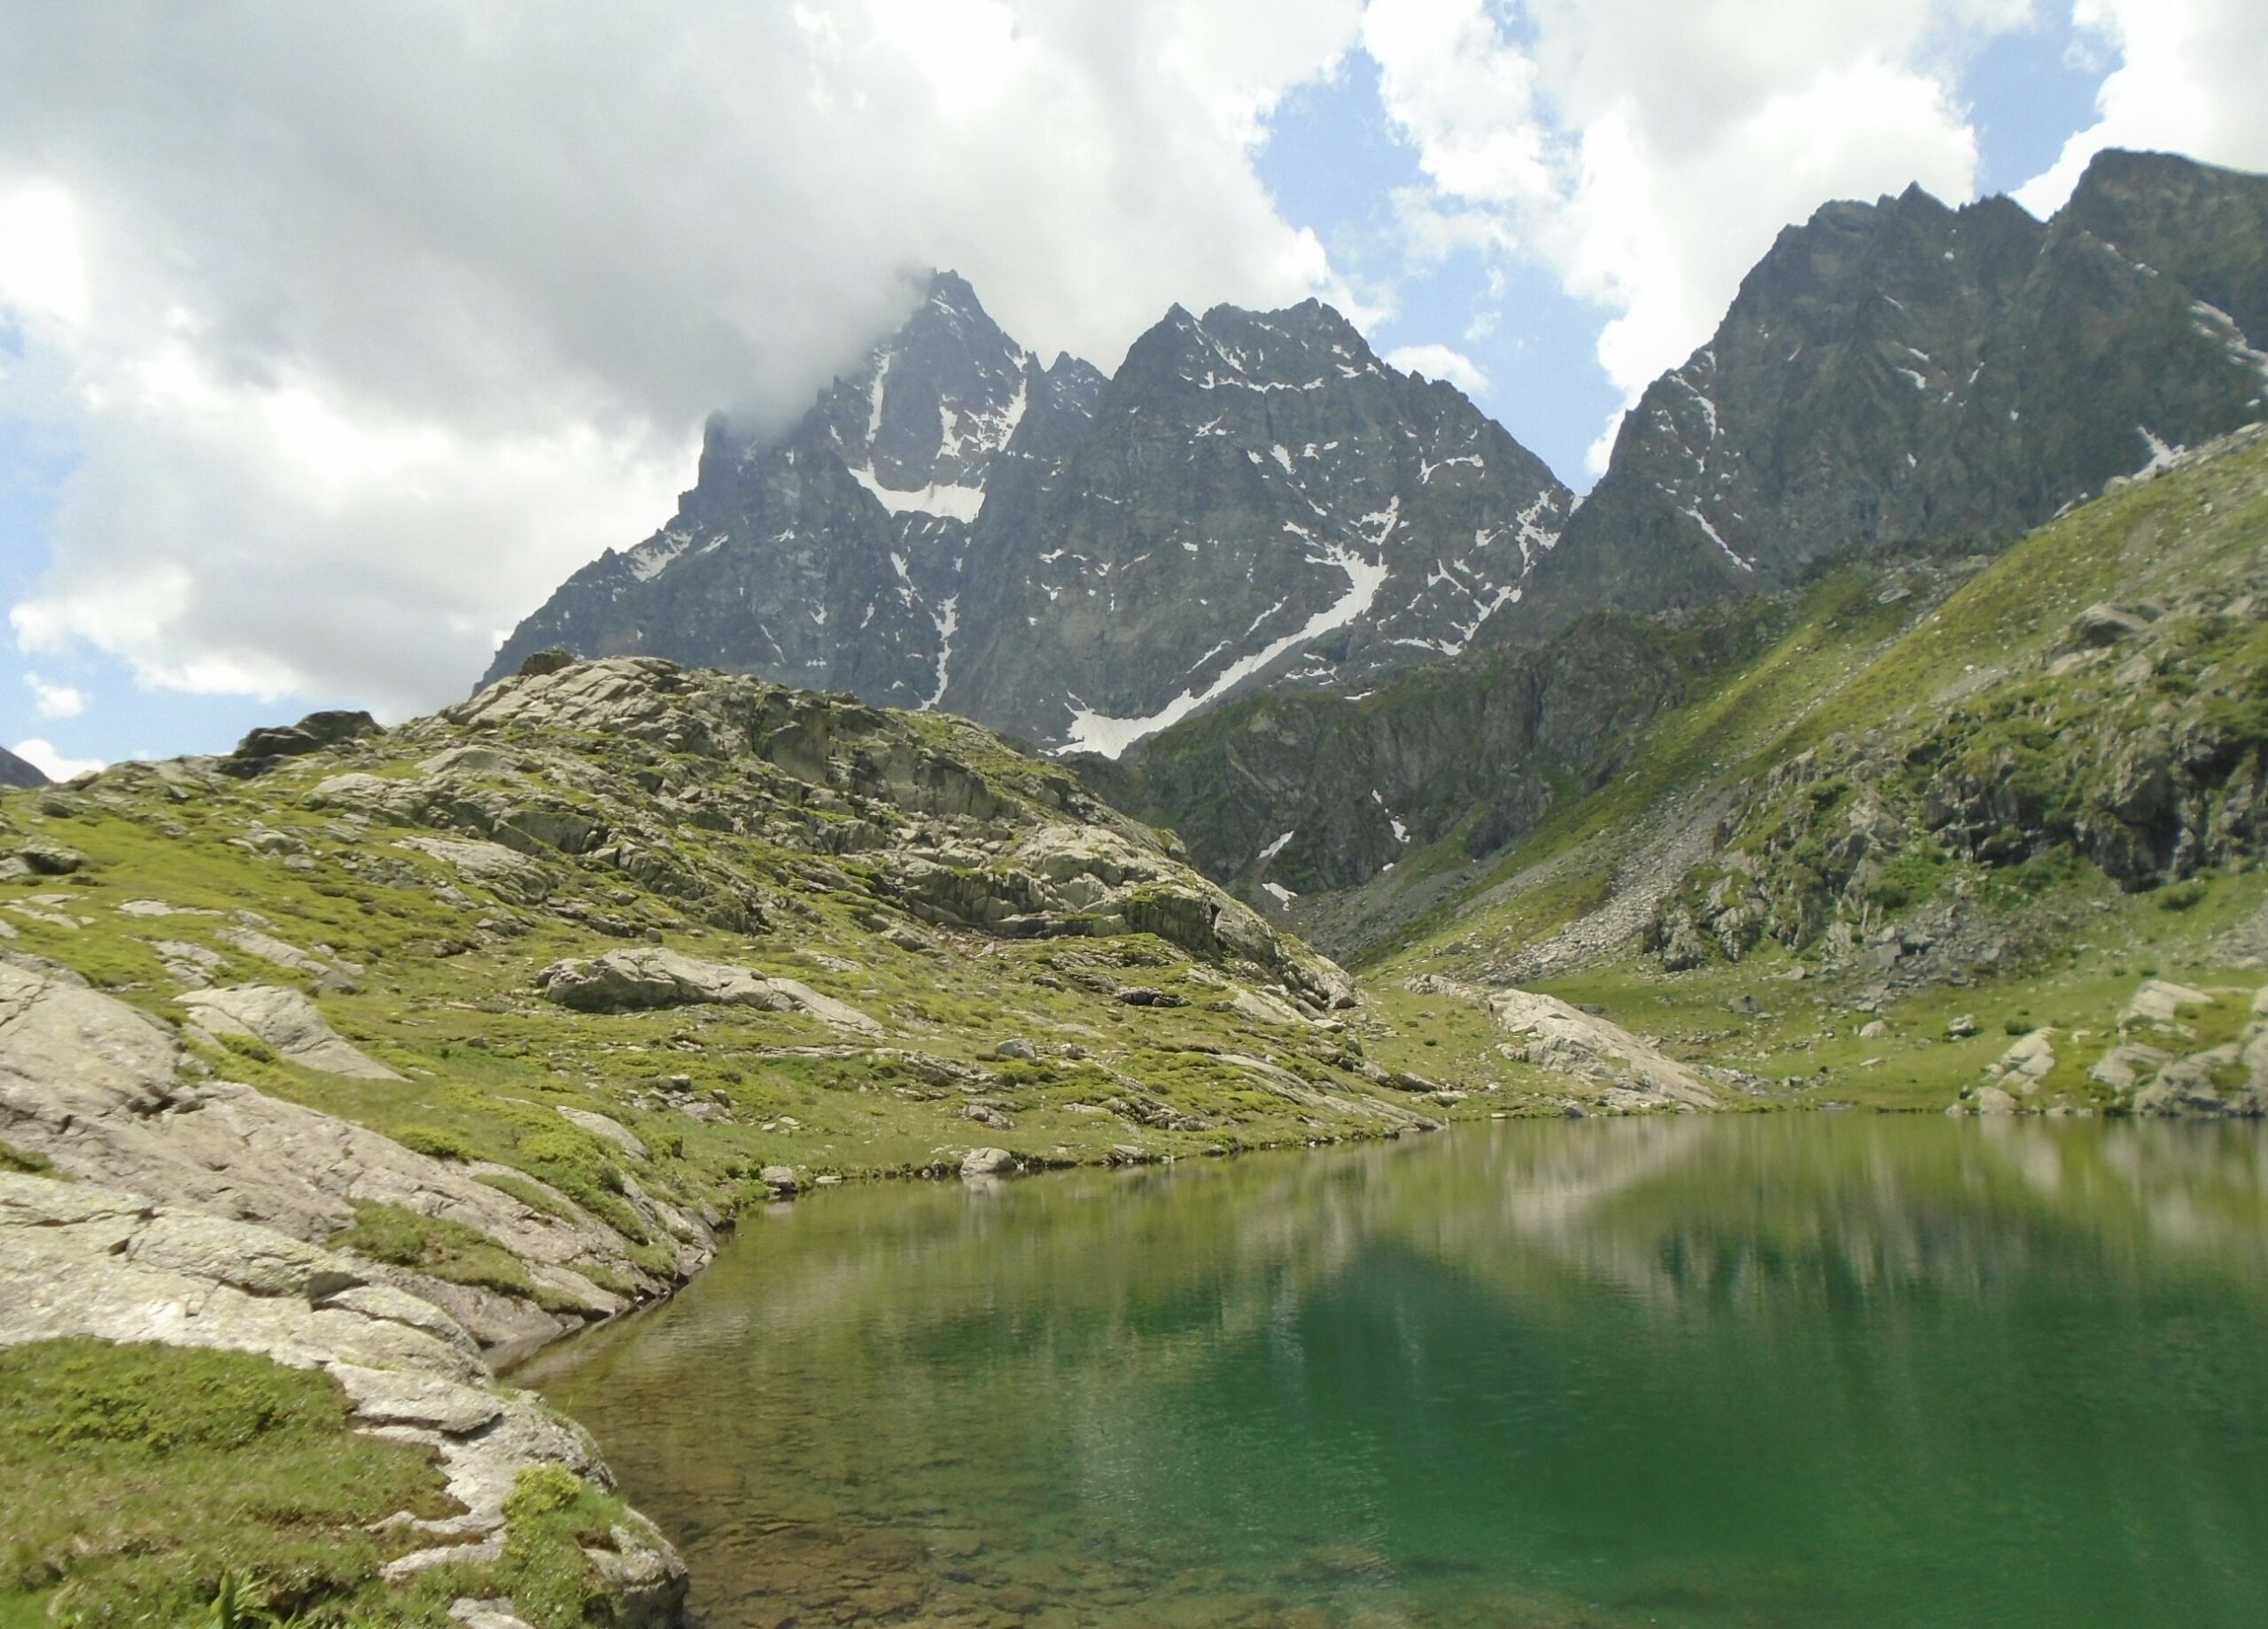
pixel 1811 1372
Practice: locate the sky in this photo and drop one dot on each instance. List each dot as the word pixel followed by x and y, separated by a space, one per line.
pixel 333 337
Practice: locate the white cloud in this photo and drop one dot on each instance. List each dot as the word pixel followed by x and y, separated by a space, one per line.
pixel 1648 154
pixel 2188 80
pixel 372 321
pixel 1438 362
pixel 55 701
pixel 43 757
pixel 43 269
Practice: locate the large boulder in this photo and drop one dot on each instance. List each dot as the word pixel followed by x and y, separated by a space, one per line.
pixel 649 977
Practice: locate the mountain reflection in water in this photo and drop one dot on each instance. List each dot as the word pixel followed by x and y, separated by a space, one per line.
pixel 1810 1370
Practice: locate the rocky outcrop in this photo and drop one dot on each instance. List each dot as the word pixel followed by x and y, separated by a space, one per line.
pixel 2216 1082
pixel 633 980
pixel 1617 1070
pixel 106 1094
pixel 79 1259
pixel 510 876
pixel 263 749
pixel 286 1020
pixel 2127 735
pixel 2149 1062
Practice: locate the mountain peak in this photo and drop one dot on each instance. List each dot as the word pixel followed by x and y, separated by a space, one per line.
pixel 1899 370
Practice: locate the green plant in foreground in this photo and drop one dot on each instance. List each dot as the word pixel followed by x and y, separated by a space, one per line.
pixel 237 1605
pixel 144 1484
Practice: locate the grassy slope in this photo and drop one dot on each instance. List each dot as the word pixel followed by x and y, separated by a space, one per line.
pixel 485 1062
pixel 138 1483
pixel 1852 669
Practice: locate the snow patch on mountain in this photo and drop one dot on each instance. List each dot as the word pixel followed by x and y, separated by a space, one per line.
pixel 1102 732
pixel 945 500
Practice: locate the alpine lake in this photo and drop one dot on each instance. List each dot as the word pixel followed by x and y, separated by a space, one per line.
pixel 1808 1370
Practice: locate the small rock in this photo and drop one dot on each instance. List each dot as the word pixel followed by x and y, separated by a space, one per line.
pixel 1961 1027
pixel 1873 1031
pixel 979 1162
pixel 1011 1048
pixel 50 859
pixel 781 1179
pixel 1142 996
pixel 551 659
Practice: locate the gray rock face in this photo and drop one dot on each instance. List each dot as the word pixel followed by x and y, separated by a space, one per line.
pixel 77 1260
pixel 1254 497
pixel 1625 1071
pixel 637 979
pixel 288 1021
pixel 1259 500
pixel 15 771
pixel 832 557
pixel 1901 370
pixel 102 1090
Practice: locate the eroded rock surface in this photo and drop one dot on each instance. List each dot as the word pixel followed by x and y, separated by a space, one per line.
pixel 288 1021
pixel 104 1091
pixel 79 1259
pixel 632 980
pixel 1626 1071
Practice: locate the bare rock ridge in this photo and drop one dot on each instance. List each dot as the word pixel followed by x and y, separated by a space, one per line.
pixel 1254 501
pixel 1901 370
pixel 15 773
pixel 1254 497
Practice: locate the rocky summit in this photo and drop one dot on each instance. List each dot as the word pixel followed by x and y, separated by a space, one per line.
pixel 1898 371
pixel 1254 497
pixel 1255 501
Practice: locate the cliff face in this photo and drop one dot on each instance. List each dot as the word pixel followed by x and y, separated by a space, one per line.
pixel 1255 499
pixel 1321 792
pixel 1258 499
pixel 832 556
pixel 1901 370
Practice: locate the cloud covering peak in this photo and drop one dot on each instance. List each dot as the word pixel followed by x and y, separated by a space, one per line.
pixel 368 322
